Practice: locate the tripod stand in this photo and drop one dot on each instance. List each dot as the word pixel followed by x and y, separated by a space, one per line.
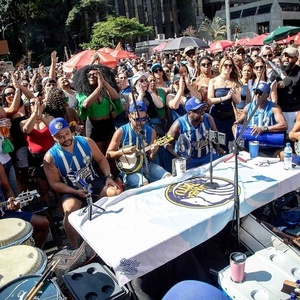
pixel 89 201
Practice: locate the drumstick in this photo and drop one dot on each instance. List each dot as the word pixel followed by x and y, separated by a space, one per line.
pixel 41 282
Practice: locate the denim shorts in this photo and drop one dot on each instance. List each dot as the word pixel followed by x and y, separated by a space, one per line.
pixel 138 179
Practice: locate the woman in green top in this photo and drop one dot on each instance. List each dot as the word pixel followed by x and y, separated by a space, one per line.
pixel 97 95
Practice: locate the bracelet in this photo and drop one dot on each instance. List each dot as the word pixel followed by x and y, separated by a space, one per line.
pixel 75 192
pixel 17 91
pixel 221 100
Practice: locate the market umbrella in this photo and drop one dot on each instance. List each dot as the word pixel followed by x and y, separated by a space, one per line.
pixel 219 46
pixel 281 33
pixel 84 58
pixel 257 40
pixel 119 54
pixel 106 50
pixel 160 47
pixel 241 42
pixel 183 42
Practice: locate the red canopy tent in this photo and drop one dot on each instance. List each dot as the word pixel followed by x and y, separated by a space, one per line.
pixel 257 40
pixel 160 47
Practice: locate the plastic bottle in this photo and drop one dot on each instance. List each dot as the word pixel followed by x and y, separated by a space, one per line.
pixel 293 296
pixel 288 156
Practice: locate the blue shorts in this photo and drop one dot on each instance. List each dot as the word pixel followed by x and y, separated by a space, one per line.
pixel 97 186
pixel 24 215
pixel 138 179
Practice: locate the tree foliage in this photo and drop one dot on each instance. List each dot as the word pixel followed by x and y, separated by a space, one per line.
pixel 114 30
pixel 215 28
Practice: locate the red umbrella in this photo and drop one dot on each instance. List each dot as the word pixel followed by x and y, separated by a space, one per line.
pixel 106 50
pixel 119 54
pixel 219 46
pixel 160 47
pixel 85 57
pixel 241 42
pixel 257 41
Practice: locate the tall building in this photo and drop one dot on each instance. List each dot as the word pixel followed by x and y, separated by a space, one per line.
pixel 170 17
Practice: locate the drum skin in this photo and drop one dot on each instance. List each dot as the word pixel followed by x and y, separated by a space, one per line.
pixel 15 232
pixel 20 260
pixel 20 287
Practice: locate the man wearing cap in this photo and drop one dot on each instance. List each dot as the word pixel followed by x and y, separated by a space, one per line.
pixel 69 169
pixel 194 125
pixel 126 147
pixel 267 118
pixel 288 88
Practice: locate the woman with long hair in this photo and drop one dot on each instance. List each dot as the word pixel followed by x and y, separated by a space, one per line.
pixel 222 91
pixel 162 80
pixel 260 75
pixel 201 83
pixel 97 94
pixel 246 72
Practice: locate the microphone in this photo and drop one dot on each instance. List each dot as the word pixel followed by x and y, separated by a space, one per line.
pixel 277 71
pixel 287 81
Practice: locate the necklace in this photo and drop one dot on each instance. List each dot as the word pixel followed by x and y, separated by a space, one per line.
pixel 224 80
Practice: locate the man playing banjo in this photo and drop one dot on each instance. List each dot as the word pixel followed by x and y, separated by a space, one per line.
pixel 126 147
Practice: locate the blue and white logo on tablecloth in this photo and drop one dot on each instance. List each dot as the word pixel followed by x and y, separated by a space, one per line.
pixel 193 192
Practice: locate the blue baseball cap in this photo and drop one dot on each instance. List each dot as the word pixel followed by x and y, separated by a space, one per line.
pixel 261 87
pixel 156 66
pixel 56 125
pixel 140 106
pixel 194 103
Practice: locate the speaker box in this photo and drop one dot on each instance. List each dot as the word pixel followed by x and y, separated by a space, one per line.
pixel 94 281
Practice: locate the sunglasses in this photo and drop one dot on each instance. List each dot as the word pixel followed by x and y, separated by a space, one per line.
pixel 143 119
pixel 204 65
pixel 31 103
pixel 143 80
pixel 92 75
pixel 167 71
pixel 158 70
pixel 9 94
pixel 258 93
pixel 268 55
pixel 228 66
pixel 258 67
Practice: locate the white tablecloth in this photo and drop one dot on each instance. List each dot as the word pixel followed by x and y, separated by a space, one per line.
pixel 144 228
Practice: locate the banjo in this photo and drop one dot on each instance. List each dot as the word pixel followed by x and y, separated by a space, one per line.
pixel 130 163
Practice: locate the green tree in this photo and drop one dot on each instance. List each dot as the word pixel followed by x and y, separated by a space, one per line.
pixel 114 30
pixel 83 15
pixel 215 28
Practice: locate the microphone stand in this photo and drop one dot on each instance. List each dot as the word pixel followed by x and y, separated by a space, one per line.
pixel 89 201
pixel 235 149
pixel 211 139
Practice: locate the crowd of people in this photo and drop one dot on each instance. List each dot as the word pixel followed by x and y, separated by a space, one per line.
pixel 99 130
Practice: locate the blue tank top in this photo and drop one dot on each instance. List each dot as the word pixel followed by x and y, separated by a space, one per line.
pixel 262 117
pixel 197 136
pixel 129 137
pixel 74 165
pixel 225 105
pixel 244 91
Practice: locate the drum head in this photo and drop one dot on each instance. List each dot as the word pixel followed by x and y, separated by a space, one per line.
pixel 14 232
pixel 20 260
pixel 20 287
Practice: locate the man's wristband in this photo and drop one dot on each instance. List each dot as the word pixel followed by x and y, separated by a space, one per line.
pixel 111 176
